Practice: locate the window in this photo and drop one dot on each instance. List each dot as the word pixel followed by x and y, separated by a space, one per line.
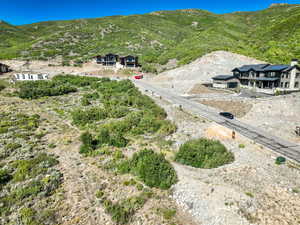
pixel 281 84
pixel 287 76
pixel 297 84
pixel 287 84
pixel 18 76
pixel 40 76
pixel 297 75
pixel 282 75
pixel 23 76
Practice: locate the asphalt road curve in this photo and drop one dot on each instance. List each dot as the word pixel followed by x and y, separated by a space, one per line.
pixel 285 148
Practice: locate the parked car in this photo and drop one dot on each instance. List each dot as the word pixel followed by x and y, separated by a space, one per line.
pixel 138 77
pixel 227 115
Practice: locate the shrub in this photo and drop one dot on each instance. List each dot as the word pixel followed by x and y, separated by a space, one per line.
pixel 204 153
pixel 85 102
pixel 167 213
pixel 4 176
pixel 280 160
pixel 28 216
pixel 121 212
pixel 83 117
pixel 12 146
pixel 2 87
pixel 99 194
pixel 242 146
pixel 152 168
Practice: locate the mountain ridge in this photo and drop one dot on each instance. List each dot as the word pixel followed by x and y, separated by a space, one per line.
pixel 270 34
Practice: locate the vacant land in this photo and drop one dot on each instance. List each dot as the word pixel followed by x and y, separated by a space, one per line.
pixel 79 158
pixel 278 115
pixel 46 159
pixel 238 108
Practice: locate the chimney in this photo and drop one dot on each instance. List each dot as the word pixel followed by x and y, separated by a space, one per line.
pixel 294 62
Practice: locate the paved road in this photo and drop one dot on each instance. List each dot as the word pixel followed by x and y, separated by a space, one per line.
pixel 285 148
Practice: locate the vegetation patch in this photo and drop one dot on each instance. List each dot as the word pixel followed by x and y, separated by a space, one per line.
pixel 152 168
pixel 121 212
pixel 28 178
pixel 37 89
pixel 204 153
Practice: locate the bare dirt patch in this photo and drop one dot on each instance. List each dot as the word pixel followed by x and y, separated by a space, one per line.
pixel 201 89
pixel 277 115
pixel 238 108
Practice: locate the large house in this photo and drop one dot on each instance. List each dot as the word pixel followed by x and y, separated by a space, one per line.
pixel 4 68
pixel 107 60
pixel 116 60
pixel 266 77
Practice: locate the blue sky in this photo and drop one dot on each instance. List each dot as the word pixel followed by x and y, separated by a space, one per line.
pixel 29 11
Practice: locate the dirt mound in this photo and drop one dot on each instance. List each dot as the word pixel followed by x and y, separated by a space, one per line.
pixel 202 70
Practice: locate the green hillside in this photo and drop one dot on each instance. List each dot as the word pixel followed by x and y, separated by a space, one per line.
pixel 272 34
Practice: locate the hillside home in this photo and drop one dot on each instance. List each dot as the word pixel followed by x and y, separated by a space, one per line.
pixel 118 61
pixel 107 60
pixel 30 77
pixel 4 68
pixel 129 61
pixel 268 78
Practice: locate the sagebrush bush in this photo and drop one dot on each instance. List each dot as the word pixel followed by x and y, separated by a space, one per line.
pixel 152 168
pixel 204 153
pixel 85 101
pixel 4 176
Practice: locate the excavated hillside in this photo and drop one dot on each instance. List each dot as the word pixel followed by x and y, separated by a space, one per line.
pixel 184 78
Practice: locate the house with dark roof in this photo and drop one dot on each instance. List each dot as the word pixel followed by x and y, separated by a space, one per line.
pixel 4 68
pixel 269 78
pixel 118 61
pixel 107 60
pixel 129 61
pixel 225 81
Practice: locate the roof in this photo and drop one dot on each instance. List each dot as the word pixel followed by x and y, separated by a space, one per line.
pixel 276 67
pixel 223 77
pixel 3 64
pixel 267 78
pixel 255 67
pixel 291 67
pixel 262 68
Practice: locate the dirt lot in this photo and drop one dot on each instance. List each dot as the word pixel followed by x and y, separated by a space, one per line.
pixel 237 108
pixel 201 89
pixel 277 115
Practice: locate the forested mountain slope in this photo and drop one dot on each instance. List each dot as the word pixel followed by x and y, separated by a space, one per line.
pixel 271 35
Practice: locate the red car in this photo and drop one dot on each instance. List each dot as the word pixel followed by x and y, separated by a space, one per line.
pixel 138 77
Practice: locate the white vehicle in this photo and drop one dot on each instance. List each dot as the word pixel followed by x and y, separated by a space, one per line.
pixel 30 77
